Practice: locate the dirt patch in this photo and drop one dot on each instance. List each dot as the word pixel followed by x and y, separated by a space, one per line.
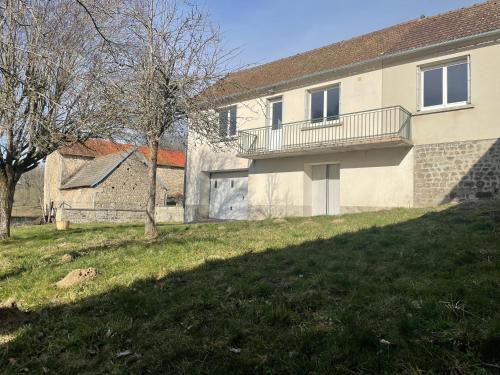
pixel 69 257
pixel 10 315
pixel 77 276
pixel 279 220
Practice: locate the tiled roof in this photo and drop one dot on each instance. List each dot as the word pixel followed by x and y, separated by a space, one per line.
pixel 422 32
pixel 98 147
pixel 166 157
pixel 96 170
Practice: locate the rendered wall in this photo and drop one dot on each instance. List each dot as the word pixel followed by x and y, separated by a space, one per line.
pixel 369 179
pixel 201 161
pixel 58 169
pixel 475 122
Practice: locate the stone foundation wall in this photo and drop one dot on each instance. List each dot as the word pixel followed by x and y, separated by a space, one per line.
pixel 89 215
pixel 457 171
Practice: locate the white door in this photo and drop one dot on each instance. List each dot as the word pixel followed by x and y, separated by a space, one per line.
pixel 326 189
pixel 275 128
pixel 228 195
pixel 319 190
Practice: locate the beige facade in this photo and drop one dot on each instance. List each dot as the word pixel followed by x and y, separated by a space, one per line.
pixel 376 175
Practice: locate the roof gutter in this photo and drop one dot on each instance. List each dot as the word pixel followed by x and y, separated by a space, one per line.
pixel 490 35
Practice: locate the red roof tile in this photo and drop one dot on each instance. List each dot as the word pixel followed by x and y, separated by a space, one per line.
pixel 166 157
pixel 98 147
pixel 422 32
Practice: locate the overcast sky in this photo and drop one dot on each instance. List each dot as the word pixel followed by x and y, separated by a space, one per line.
pixel 265 30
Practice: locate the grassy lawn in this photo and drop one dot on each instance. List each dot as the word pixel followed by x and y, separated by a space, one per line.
pixel 401 291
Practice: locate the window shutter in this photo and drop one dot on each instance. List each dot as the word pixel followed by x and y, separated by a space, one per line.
pixel 223 123
pixel 232 121
pixel 468 81
pixel 419 89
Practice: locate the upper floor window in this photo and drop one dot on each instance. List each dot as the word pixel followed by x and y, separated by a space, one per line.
pixel 325 104
pixel 227 122
pixel 276 113
pixel 445 85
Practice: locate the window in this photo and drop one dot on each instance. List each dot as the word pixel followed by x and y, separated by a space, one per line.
pixel 227 122
pixel 276 113
pixel 325 104
pixel 445 85
pixel 170 201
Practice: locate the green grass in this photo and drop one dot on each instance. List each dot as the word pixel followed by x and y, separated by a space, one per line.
pixel 310 295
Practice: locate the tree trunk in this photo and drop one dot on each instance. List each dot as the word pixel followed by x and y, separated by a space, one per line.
pixel 7 188
pixel 150 227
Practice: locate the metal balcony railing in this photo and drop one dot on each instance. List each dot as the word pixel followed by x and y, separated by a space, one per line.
pixel 391 124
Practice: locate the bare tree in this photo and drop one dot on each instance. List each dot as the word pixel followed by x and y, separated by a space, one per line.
pixel 169 55
pixel 50 67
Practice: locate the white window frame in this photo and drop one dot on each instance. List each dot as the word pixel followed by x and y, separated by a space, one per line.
pixel 325 101
pixel 270 102
pixel 444 67
pixel 228 127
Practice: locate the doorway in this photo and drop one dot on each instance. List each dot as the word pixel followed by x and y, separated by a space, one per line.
pixel 275 128
pixel 326 189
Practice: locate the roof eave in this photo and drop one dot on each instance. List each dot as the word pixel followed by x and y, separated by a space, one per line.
pixel 74 187
pixel 304 79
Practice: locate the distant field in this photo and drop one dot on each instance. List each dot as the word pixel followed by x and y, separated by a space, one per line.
pixel 26 211
pixel 26 202
pixel 405 291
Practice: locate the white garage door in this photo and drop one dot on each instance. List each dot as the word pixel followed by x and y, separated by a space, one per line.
pixel 228 195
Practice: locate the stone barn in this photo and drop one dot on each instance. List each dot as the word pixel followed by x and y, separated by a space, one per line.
pixel 105 181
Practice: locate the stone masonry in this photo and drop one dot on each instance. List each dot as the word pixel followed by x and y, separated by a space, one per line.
pixel 88 215
pixel 457 171
pixel 124 188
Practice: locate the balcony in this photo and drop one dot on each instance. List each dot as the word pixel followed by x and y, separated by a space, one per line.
pixel 379 128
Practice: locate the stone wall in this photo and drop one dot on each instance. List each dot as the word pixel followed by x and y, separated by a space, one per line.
pixel 457 171
pixel 174 178
pixel 89 215
pixel 127 186
pixel 124 188
pixel 58 169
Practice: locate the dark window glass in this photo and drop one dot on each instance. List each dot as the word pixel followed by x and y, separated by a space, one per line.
pixel 457 83
pixel 171 201
pixel 433 87
pixel 232 121
pixel 277 109
pixel 223 123
pixel 317 104
pixel 332 103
